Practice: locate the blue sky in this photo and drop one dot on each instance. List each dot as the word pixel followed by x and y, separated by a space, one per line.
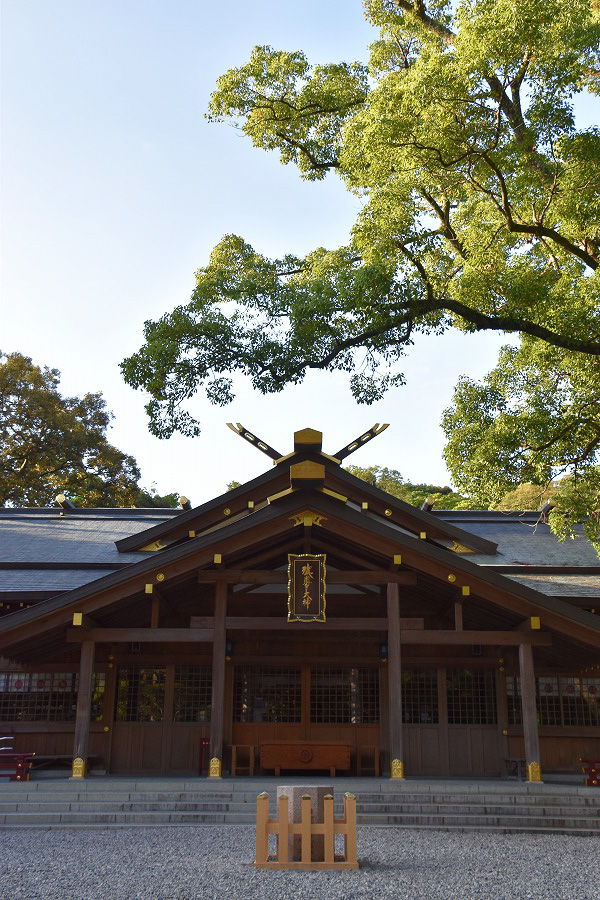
pixel 115 189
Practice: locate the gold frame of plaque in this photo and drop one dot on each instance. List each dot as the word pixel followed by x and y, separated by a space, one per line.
pixel 306 587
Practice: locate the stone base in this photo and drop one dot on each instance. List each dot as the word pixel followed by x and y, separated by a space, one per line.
pixel 294 793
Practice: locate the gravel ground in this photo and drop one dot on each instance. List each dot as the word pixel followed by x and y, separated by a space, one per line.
pixel 216 862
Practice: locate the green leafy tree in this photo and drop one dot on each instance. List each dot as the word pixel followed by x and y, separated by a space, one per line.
pixel 480 204
pixel 151 499
pixel 51 444
pixel 529 496
pixel 534 418
pixel 391 480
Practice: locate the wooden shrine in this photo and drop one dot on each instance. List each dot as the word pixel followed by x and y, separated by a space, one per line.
pixel 305 620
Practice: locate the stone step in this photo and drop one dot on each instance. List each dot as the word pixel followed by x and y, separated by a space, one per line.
pixel 449 822
pixel 500 807
pixel 52 804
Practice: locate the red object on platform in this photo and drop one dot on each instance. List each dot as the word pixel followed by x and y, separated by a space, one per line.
pixel 204 744
pixel 15 766
pixel 591 768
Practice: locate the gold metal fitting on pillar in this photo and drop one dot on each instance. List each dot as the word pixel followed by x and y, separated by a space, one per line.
pixel 214 768
pixel 78 768
pixel 534 771
pixel 397 769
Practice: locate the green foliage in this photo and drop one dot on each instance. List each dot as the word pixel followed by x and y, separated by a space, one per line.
pixel 528 496
pixel 151 499
pixel 51 444
pixel 534 418
pixel 391 481
pixel 480 204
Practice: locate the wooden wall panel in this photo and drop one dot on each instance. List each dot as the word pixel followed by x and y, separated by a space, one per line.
pixel 561 754
pixel 423 750
pixel 137 748
pixel 183 748
pixel 474 750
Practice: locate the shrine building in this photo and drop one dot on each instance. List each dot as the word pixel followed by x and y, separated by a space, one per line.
pixel 304 621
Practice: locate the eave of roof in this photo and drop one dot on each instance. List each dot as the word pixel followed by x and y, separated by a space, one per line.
pixel 283 508
pixel 423 520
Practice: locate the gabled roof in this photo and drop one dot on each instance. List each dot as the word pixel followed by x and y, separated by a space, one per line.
pixel 277 521
pixel 260 490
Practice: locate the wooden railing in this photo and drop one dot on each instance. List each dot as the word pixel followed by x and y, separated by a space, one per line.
pixel 306 830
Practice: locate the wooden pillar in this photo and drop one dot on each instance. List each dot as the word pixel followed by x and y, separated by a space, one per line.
pixel 530 729
pixel 82 715
pixel 395 682
pixel 215 768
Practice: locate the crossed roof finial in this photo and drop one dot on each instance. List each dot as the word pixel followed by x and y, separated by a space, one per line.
pixel 315 439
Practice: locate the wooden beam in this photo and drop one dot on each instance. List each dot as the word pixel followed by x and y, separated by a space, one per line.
pixel 82 714
pixel 272 623
pixel 217 717
pixel 458 616
pixel 500 638
pixel 165 605
pixel 528 706
pixel 256 576
pixel 139 635
pixel 394 682
pixel 155 611
pixel 530 624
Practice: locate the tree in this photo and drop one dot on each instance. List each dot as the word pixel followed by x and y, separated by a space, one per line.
pixel 534 418
pixel 151 499
pixel 391 480
pixel 51 444
pixel 481 204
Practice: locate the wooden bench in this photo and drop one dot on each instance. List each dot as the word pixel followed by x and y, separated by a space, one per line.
pixel 15 766
pixel 300 755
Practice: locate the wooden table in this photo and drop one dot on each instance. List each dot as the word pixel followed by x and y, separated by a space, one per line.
pixel 305 755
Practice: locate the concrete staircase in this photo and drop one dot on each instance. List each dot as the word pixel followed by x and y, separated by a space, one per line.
pixel 436 804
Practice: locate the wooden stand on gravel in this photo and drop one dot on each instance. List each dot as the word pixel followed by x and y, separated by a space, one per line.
pixel 306 829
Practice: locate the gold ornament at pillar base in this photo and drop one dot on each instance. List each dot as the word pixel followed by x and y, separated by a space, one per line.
pixel 534 771
pixel 78 768
pixel 397 769
pixel 214 768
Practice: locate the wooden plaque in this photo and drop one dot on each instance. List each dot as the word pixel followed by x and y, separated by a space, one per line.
pixel 306 587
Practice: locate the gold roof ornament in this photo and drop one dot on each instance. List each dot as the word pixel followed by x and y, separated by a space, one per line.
pixel 359 441
pixel 253 439
pixel 307 474
pixel 307 439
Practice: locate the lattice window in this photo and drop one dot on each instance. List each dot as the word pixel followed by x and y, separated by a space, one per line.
pixel 97 705
pixel 568 700
pixel 192 694
pixel 579 700
pixel 548 700
pixel 513 700
pixel 471 697
pixel 45 696
pixel 264 694
pixel 140 694
pixel 420 696
pixel 344 696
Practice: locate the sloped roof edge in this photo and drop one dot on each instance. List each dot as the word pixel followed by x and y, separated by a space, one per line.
pixel 285 507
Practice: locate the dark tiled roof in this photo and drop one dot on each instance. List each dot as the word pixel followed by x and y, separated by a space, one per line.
pixel 51 546
pixel 46 538
pixel 522 539
pixel 562 585
pixel 51 580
